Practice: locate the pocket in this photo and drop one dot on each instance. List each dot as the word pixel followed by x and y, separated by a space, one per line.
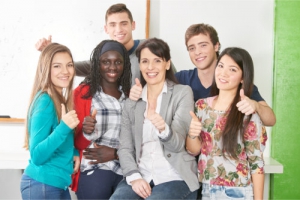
pixel 235 192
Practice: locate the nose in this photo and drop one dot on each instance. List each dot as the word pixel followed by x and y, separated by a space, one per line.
pixel 197 50
pixel 150 66
pixel 118 28
pixel 65 70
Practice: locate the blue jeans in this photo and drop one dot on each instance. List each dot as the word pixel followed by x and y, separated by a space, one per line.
pixel 168 190
pixel 32 189
pixel 226 192
pixel 99 184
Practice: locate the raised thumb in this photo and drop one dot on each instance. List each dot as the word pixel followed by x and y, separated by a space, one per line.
pixel 242 94
pixel 94 113
pixel 137 82
pixel 194 117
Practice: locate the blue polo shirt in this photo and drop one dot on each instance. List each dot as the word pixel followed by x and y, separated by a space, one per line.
pixel 190 77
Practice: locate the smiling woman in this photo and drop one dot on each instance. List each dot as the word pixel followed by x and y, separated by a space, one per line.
pixel 99 101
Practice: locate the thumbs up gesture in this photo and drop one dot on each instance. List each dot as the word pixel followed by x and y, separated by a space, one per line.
pixel 89 123
pixel 136 90
pixel 195 126
pixel 246 105
pixel 42 43
pixel 69 118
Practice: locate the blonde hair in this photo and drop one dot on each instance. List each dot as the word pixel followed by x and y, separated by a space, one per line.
pixel 43 84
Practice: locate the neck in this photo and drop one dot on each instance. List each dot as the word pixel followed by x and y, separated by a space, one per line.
pixel 224 100
pixel 206 75
pixel 129 44
pixel 154 90
pixel 111 89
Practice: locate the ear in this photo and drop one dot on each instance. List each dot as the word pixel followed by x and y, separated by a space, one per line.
pixel 133 25
pixel 242 81
pixel 217 47
pixel 168 65
pixel 105 29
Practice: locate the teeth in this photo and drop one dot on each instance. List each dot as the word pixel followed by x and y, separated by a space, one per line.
pixel 199 59
pixel 152 74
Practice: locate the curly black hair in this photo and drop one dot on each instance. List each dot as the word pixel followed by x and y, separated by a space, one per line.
pixel 93 79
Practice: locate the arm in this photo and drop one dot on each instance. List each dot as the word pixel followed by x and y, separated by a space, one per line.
pixel 193 141
pixel 82 68
pixel 258 185
pixel 249 106
pixel 43 140
pixel 126 151
pixel 255 138
pixel 181 119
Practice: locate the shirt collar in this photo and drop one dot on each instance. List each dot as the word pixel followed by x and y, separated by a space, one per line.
pixel 144 92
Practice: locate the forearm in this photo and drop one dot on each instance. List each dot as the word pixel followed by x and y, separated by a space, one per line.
pixel 258 185
pixel 193 145
pixel 265 113
pixel 82 68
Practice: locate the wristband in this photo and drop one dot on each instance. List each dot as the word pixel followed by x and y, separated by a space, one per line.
pixel 192 137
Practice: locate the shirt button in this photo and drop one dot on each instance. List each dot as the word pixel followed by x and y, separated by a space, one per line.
pixel 169 155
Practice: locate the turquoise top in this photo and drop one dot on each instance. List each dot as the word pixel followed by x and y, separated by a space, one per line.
pixel 51 144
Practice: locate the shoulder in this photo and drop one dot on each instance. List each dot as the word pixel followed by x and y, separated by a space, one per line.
pixel 81 90
pixel 44 102
pixel 185 74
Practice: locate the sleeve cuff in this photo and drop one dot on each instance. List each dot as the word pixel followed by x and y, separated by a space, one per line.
pixel 163 135
pixel 133 177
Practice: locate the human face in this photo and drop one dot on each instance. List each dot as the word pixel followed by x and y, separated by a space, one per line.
pixel 111 67
pixel 202 51
pixel 62 70
pixel 119 27
pixel 228 74
pixel 153 68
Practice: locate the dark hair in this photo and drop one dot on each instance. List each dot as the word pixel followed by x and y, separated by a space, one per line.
pixel 161 49
pixel 118 8
pixel 234 123
pixel 93 79
pixel 205 29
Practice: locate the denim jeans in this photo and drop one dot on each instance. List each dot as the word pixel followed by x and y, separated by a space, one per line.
pixel 168 190
pixel 226 192
pixel 97 184
pixel 32 189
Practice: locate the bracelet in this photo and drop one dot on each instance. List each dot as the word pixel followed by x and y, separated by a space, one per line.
pixel 116 155
pixel 192 137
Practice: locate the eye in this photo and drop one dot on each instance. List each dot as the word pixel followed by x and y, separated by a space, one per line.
pixel 70 65
pixel 56 66
pixel 191 48
pixel 233 70
pixel 203 45
pixel 119 62
pixel 220 65
pixel 144 61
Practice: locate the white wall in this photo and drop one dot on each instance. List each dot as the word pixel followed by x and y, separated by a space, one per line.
pixel 247 24
pixel 243 23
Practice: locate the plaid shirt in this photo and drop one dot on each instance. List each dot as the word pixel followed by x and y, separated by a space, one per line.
pixel 107 130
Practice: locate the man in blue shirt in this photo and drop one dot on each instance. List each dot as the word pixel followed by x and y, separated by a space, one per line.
pixel 203 45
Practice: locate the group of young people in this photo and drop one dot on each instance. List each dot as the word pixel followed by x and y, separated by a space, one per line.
pixel 133 127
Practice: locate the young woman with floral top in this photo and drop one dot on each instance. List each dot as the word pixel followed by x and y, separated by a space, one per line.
pixel 231 144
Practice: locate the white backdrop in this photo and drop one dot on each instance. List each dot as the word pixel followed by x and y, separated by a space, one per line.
pixel 77 24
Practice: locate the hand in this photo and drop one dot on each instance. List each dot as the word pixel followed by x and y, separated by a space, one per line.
pixel 99 154
pixel 42 43
pixel 141 188
pixel 89 123
pixel 157 121
pixel 69 118
pixel 246 105
pixel 136 90
pixel 195 126
pixel 76 164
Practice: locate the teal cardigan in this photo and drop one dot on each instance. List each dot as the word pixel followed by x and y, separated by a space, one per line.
pixel 51 145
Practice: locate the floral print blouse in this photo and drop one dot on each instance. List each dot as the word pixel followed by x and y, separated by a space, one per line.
pixel 213 168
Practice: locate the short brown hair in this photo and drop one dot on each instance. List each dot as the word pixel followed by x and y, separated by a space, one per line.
pixel 205 29
pixel 118 8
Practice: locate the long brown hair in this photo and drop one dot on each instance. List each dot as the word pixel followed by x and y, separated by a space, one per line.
pixel 234 126
pixel 43 84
